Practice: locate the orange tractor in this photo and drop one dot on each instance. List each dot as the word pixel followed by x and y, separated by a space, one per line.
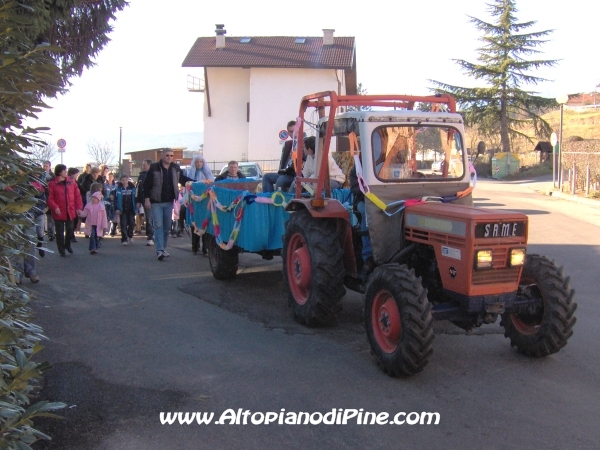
pixel 422 251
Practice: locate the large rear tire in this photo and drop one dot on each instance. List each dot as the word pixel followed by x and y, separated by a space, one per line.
pixel 313 269
pixel 223 263
pixel 546 326
pixel 398 320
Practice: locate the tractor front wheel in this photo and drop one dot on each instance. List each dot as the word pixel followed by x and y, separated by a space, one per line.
pixel 545 326
pixel 398 320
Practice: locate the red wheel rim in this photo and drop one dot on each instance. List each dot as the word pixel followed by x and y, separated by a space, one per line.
pixel 299 268
pixel 527 325
pixel 386 321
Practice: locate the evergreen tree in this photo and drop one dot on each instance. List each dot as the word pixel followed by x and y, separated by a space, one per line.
pixel 503 66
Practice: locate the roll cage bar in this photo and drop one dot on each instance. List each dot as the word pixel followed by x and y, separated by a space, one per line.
pixel 330 99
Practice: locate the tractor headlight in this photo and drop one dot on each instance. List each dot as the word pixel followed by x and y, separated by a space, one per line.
pixel 517 257
pixel 483 259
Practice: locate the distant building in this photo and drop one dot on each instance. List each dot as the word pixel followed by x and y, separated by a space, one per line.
pixel 253 86
pixel 134 165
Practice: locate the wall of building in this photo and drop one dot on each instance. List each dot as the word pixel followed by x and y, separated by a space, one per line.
pixel 275 96
pixel 226 131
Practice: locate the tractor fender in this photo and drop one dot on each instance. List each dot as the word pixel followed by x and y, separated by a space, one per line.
pixel 331 209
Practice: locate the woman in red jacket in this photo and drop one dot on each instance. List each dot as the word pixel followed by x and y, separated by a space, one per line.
pixel 64 201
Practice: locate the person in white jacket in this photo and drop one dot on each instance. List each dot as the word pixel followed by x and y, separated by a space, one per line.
pixel 336 175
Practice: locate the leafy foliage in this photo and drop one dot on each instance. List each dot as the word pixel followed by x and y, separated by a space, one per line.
pixel 42 44
pixel 19 341
pixel 503 106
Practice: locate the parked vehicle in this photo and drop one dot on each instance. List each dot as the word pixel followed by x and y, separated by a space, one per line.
pixel 250 170
pixel 435 256
pixel 437 166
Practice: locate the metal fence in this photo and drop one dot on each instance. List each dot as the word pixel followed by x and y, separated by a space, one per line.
pixel 580 172
pixel 267 165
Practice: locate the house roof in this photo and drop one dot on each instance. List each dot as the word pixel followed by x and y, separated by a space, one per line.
pixel 543 146
pixel 272 51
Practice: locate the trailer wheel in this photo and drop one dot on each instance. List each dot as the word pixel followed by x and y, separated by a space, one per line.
pixel 313 268
pixel 545 327
pixel 223 263
pixel 398 320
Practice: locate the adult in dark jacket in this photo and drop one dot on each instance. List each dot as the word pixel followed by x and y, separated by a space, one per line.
pixel 359 205
pixel 284 177
pixel 139 199
pixel 48 175
pixel 64 200
pixel 88 180
pixel 160 191
pixel 86 171
pixel 232 172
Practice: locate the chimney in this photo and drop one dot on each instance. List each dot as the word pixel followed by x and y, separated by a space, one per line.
pixel 328 36
pixel 220 36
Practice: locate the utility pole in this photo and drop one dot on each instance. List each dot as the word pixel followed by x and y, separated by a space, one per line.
pixel 120 142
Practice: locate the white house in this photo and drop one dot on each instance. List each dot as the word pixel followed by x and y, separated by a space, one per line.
pixel 253 86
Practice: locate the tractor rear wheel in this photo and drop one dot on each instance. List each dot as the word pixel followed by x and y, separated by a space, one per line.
pixel 398 320
pixel 223 263
pixel 545 327
pixel 313 268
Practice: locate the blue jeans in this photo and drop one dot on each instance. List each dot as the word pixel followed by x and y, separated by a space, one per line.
pixel 161 219
pixel 94 238
pixel 367 250
pixel 274 182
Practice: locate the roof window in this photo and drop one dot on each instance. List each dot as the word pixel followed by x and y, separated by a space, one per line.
pixel 245 40
pixel 300 40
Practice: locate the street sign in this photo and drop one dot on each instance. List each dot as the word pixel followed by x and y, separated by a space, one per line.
pixel 283 135
pixel 61 144
pixel 553 139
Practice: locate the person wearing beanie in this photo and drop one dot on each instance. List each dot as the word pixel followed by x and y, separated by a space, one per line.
pixel 96 221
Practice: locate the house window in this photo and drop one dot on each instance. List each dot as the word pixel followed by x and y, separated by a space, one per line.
pixel 300 40
pixel 245 40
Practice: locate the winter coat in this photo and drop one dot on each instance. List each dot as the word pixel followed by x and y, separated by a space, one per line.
pixel 86 184
pixel 153 182
pixel 119 196
pixel 226 176
pixel 66 196
pixel 95 214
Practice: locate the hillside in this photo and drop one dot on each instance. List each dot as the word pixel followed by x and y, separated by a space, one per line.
pixel 583 124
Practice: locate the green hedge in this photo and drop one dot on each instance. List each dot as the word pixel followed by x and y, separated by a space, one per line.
pixel 19 342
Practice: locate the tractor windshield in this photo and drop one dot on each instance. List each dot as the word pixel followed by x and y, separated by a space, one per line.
pixel 407 152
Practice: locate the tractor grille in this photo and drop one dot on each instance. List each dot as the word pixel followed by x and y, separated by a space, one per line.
pixel 414 234
pixel 505 275
pixel 500 272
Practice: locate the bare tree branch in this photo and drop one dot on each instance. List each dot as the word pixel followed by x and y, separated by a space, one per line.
pixel 40 152
pixel 100 152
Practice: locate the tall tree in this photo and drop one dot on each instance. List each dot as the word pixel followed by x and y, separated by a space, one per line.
pixel 503 66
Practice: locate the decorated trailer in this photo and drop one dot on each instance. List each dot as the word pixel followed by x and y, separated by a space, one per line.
pixel 420 251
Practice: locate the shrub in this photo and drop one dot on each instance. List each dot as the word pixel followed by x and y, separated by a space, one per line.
pixel 19 341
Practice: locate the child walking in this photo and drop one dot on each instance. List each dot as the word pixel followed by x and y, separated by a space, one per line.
pixel 125 208
pixel 95 215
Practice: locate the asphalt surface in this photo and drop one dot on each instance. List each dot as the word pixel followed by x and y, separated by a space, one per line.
pixel 130 337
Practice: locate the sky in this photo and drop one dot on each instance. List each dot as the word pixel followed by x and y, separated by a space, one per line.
pixel 139 87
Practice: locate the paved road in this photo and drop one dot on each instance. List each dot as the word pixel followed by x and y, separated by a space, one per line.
pixel 130 337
